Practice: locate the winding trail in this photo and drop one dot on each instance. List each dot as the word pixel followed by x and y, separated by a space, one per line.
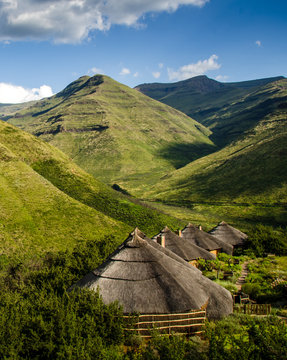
pixel 244 272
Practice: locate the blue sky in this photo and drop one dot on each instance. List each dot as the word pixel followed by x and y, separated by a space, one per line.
pixel 46 44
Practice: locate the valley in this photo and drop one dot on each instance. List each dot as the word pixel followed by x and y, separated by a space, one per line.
pixel 230 162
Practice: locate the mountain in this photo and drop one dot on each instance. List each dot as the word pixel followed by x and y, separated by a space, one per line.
pixel 227 109
pixel 116 133
pixel 49 203
pixel 7 110
pixel 250 170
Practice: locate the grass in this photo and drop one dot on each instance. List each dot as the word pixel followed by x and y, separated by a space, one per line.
pixel 139 139
pixel 49 204
pixel 155 153
pixel 228 109
pixel 249 171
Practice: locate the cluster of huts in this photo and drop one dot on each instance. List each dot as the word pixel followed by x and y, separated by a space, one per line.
pixel 156 276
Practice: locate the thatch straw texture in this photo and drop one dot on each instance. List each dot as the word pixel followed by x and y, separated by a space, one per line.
pixel 228 234
pixel 148 279
pixel 202 239
pixel 185 249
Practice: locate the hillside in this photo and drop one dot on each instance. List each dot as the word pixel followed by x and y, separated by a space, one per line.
pixel 7 110
pixel 49 203
pixel 227 109
pixel 116 133
pixel 251 170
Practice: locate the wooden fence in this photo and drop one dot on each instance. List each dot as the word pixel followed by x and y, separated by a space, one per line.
pixel 184 323
pixel 252 309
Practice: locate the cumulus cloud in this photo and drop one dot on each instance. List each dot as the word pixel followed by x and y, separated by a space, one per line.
pixel 191 70
pixel 221 78
pixel 95 70
pixel 13 94
pixel 156 74
pixel 71 21
pixel 125 71
pixel 258 43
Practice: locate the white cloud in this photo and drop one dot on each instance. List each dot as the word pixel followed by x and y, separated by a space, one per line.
pixel 13 94
pixel 221 77
pixel 156 74
pixel 258 43
pixel 125 71
pixel 136 74
pixel 160 65
pixel 71 21
pixel 191 70
pixel 95 70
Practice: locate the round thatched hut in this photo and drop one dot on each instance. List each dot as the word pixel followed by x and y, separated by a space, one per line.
pixel 185 249
pixel 146 278
pixel 229 234
pixel 204 240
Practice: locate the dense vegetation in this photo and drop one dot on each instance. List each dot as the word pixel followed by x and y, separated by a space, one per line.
pixel 41 319
pixel 234 338
pixel 267 280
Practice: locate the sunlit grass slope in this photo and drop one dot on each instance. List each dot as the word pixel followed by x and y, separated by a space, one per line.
pixel 251 170
pixel 49 203
pixel 116 133
pixel 228 109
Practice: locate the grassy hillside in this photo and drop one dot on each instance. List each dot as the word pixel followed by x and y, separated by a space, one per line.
pixel 251 170
pixel 227 109
pixel 8 110
pixel 49 203
pixel 116 133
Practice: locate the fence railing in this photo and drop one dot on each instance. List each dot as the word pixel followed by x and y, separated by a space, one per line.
pixel 252 309
pixel 189 323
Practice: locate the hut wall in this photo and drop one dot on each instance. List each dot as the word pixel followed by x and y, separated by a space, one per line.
pixel 215 252
pixel 193 263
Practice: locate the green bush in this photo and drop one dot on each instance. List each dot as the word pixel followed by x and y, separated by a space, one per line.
pixel 264 239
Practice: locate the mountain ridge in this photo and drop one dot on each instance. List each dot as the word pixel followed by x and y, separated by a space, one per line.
pixel 115 133
pixel 212 106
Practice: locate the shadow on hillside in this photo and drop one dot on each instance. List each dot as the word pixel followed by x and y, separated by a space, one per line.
pixel 180 155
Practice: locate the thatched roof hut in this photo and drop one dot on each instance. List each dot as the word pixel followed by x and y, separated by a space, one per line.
pixel 149 279
pixel 228 234
pixel 185 249
pixel 202 239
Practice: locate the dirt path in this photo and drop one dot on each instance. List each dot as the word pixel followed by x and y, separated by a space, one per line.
pixel 244 272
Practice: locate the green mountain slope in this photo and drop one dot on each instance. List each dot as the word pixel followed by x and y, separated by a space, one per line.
pixel 227 109
pixel 252 169
pixel 49 203
pixel 116 133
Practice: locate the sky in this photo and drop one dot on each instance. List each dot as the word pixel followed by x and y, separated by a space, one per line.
pixel 47 44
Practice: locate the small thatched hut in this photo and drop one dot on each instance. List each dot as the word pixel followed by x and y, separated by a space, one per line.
pixel 149 279
pixel 229 234
pixel 202 239
pixel 185 249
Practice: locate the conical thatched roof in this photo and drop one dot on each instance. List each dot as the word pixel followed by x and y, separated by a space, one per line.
pixel 228 234
pixel 184 249
pixel 203 239
pixel 149 279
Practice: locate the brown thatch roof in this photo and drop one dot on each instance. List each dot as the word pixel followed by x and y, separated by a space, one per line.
pixel 228 234
pixel 183 248
pixel 146 278
pixel 203 239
